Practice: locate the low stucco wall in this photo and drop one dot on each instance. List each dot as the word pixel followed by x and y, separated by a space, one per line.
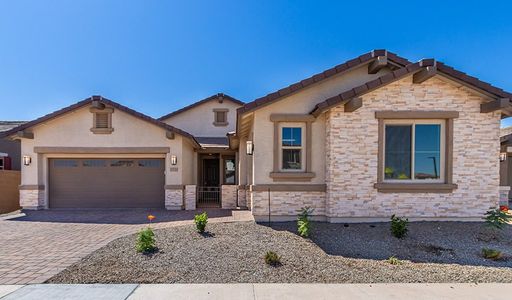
pixel 9 193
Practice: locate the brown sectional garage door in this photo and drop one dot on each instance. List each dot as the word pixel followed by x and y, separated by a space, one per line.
pixel 106 183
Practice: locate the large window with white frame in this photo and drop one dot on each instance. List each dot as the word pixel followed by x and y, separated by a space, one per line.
pixel 292 156
pixel 414 151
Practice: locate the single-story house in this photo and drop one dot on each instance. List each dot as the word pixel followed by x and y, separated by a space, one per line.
pixel 10 150
pixel 374 136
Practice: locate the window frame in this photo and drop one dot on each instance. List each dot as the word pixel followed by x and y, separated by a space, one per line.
pixel 302 147
pixel 442 150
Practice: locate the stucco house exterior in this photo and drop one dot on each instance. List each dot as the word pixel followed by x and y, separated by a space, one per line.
pixel 375 136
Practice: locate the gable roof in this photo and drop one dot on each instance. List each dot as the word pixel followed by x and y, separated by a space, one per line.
pixel 88 101
pixel 344 67
pixel 213 97
pixel 432 65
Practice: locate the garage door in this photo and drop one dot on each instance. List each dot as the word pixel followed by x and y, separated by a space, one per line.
pixel 106 183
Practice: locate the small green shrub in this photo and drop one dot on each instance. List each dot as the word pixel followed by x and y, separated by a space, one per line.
pixel 399 226
pixel 496 218
pixel 272 259
pixel 303 222
pixel 201 221
pixel 146 241
pixel 491 253
pixel 394 261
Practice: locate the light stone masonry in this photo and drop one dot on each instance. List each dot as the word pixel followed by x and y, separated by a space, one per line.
pixel 190 197
pixel 229 195
pixel 173 199
pixel 32 199
pixel 287 203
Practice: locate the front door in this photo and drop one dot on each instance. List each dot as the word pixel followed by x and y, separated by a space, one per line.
pixel 208 194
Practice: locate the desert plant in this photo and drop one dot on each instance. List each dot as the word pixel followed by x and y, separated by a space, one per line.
pixel 399 226
pixel 394 261
pixel 272 259
pixel 491 253
pixel 303 222
pixel 146 241
pixel 496 218
pixel 201 220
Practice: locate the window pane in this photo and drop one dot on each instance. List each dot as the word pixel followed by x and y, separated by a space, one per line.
pixel 229 171
pixel 292 136
pixel 427 151
pixel 291 159
pixel 121 163
pixel 398 152
pixel 65 163
pixel 94 163
pixel 149 163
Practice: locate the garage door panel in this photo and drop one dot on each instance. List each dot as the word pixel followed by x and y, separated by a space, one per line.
pixel 107 183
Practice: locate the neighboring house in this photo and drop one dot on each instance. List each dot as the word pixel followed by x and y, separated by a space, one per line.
pixel 9 150
pixel 375 136
pixel 506 159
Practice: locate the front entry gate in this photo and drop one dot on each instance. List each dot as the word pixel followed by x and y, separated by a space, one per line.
pixel 209 193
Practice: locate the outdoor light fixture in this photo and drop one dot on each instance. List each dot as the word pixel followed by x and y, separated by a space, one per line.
pixel 27 160
pixel 174 160
pixel 503 156
pixel 250 148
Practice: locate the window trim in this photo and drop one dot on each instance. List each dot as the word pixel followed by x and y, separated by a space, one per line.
pixel 413 123
pixel 414 187
pixel 220 110
pixel 294 175
pixel 95 112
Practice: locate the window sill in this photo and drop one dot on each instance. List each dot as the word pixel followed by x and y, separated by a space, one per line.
pixel 415 187
pixel 292 176
pixel 220 124
pixel 102 130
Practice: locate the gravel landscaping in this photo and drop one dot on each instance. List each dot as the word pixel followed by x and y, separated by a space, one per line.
pixel 337 253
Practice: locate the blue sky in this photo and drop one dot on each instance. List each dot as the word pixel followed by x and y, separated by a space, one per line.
pixel 157 56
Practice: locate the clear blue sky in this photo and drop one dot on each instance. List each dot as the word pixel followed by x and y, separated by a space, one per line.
pixel 157 56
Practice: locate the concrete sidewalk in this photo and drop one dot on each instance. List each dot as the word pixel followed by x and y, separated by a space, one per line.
pixel 257 291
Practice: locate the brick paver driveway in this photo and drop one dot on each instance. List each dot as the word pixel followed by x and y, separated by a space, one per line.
pixel 39 245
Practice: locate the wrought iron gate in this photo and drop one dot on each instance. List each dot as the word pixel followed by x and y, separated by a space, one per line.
pixel 208 196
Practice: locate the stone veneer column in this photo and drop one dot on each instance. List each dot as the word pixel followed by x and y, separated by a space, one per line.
pixel 174 198
pixel 242 197
pixel 32 197
pixel 190 197
pixel 228 197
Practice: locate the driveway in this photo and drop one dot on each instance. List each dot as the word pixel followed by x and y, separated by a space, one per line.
pixel 39 245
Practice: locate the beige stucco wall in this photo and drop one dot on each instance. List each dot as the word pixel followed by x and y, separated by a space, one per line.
pixel 352 147
pixel 302 102
pixel 198 121
pixel 73 130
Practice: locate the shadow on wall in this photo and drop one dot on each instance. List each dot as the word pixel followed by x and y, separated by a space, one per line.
pixel 428 242
pixel 116 216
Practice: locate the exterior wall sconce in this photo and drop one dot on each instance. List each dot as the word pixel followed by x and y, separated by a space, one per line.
pixel 174 160
pixel 27 160
pixel 503 157
pixel 249 148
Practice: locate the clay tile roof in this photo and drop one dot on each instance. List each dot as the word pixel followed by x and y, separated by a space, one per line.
pixel 352 63
pixel 195 104
pixel 105 101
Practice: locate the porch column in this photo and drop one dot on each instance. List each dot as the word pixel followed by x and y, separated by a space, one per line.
pixel 229 193
pixel 174 197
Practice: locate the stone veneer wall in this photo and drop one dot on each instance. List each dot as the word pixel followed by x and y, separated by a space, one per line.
pixel 174 199
pixel 287 203
pixel 352 147
pixel 242 197
pixel 228 196
pixel 190 197
pixel 32 199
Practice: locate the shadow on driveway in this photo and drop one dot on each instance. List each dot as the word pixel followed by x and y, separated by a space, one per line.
pixel 117 216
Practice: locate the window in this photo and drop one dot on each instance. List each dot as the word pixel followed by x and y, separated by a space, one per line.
pixel 94 163
pixel 149 163
pixel 122 163
pixel 65 163
pixel 413 150
pixel 1 163
pixel 229 170
pixel 291 148
pixel 102 120
pixel 220 117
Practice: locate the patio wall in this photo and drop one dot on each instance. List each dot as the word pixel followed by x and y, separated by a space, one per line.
pixel 9 192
